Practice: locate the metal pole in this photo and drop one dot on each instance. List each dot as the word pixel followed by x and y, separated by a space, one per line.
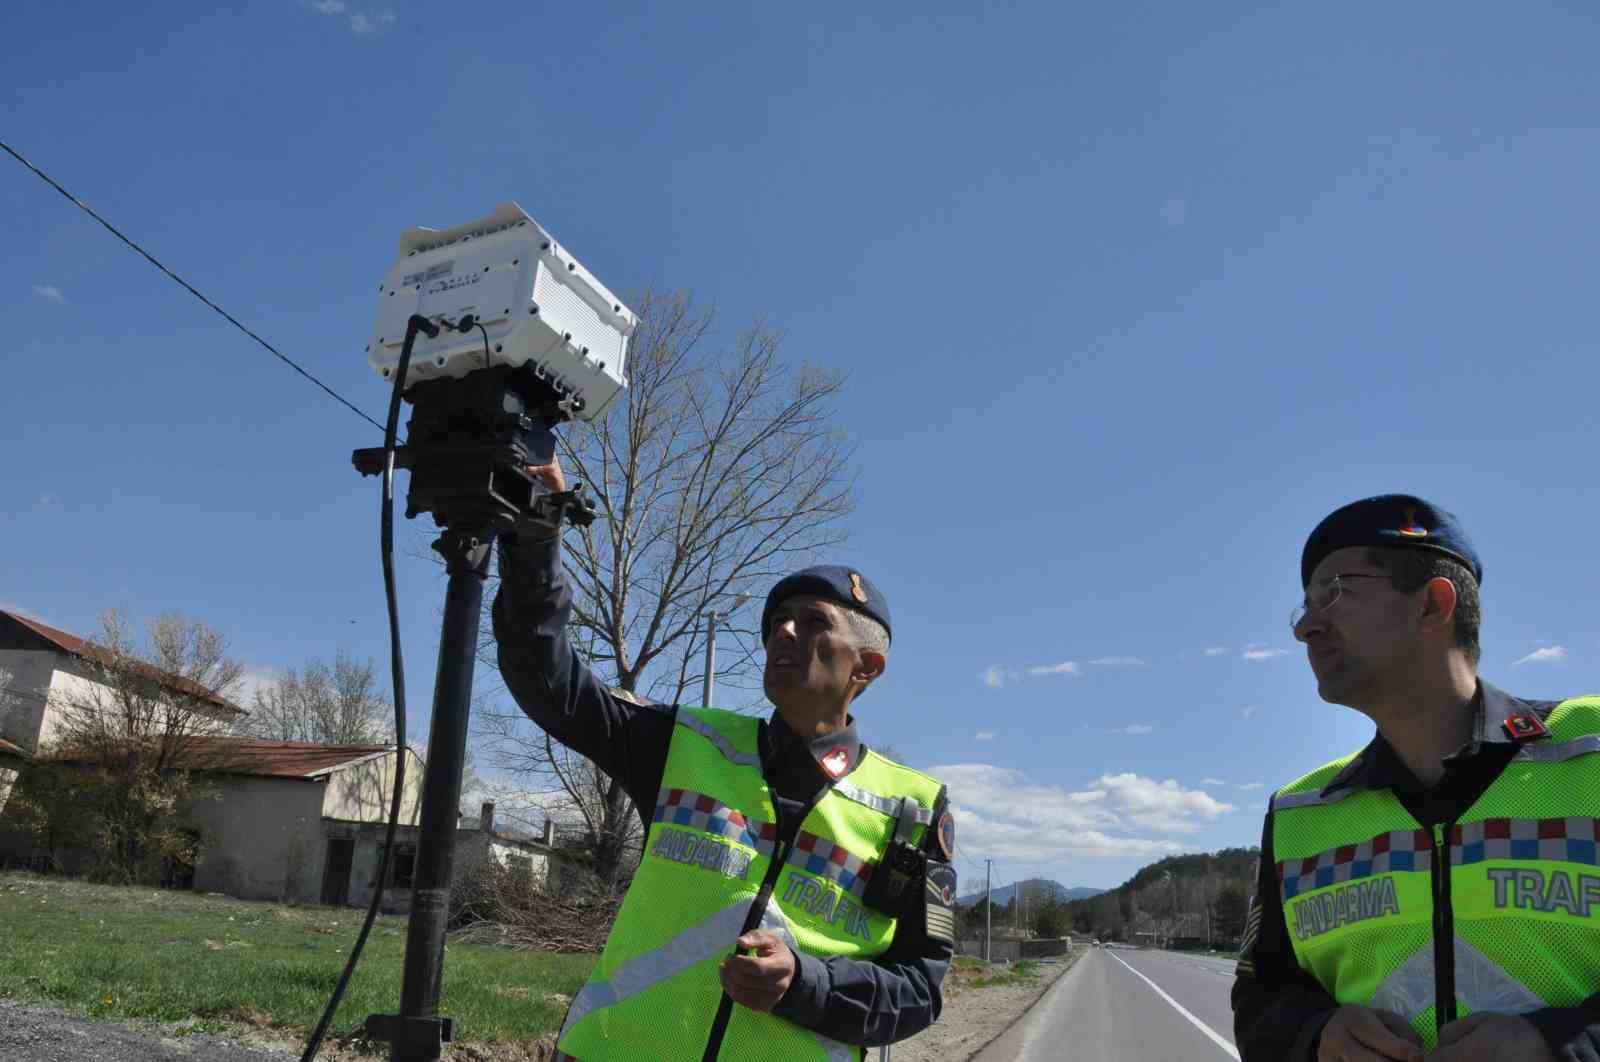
pixel 466 553
pixel 988 906
pixel 711 658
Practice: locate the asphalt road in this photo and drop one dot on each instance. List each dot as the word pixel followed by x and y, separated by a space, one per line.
pixel 1127 1006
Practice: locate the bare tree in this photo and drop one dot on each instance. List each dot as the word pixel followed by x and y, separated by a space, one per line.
pixel 116 762
pixel 337 705
pixel 715 473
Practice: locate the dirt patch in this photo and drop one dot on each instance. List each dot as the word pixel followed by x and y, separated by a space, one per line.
pixel 974 1015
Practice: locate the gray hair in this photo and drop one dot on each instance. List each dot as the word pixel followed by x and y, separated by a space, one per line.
pixel 866 632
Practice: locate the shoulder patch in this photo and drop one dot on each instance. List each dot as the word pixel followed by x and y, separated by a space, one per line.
pixel 941 901
pixel 1252 931
pixel 946 830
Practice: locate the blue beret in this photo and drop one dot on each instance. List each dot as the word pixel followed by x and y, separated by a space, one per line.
pixel 1401 520
pixel 846 586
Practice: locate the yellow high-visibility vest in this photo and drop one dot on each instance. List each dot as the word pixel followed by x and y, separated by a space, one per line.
pixel 1499 911
pixel 711 856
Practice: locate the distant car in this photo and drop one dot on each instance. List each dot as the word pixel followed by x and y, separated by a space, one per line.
pixel 1096 943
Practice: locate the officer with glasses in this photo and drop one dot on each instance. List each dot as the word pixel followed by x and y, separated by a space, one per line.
pixel 1438 892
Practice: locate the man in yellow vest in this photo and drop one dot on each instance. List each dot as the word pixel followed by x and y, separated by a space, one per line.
pixel 795 896
pixel 1437 893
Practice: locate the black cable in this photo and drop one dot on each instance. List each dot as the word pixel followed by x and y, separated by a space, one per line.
pixel 397 668
pixel 187 286
pixel 485 332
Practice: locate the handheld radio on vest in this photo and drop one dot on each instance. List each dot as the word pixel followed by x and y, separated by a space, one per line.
pixel 891 887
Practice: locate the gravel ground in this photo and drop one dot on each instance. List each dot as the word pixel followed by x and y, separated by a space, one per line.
pixel 33 1033
pixel 972 1017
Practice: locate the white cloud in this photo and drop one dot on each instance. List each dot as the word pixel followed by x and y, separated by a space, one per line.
pixel 1066 667
pixel 996 676
pixel 1119 663
pixel 51 292
pixel 48 500
pixel 1217 650
pixel 1249 785
pixel 1248 710
pixel 1133 729
pixel 983 735
pixel 1166 806
pixel 1212 781
pixel 254 679
pixel 1258 655
pixel 364 23
pixel 1554 654
pixel 1004 815
pixel 361 22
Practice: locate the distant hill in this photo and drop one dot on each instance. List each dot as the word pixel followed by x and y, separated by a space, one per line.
pixel 1034 890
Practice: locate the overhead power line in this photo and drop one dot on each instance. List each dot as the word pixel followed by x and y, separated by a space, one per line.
pixel 187 286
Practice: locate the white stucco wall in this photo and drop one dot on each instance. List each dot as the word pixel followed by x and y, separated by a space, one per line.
pixel 72 690
pixel 362 791
pixel 474 846
pixel 508 854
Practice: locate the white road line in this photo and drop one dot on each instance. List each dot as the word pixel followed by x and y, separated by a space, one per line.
pixel 1232 1051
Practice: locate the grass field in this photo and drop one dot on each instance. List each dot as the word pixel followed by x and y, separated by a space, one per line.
pixel 968 973
pixel 215 963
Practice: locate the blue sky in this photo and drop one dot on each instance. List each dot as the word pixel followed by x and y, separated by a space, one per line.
pixel 1130 296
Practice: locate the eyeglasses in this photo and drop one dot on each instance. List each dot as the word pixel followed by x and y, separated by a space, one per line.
pixel 1320 597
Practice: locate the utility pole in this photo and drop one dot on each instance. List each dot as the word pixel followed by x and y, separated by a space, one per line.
pixel 711 657
pixel 711 648
pixel 988 905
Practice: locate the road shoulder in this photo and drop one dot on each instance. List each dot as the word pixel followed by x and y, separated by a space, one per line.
pixel 974 1017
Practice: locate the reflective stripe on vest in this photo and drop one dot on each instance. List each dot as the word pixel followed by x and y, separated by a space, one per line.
pixel 890 807
pixel 1358 879
pixel 694 945
pixel 711 844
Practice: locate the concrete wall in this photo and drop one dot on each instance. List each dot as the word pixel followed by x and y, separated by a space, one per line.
pixel 261 838
pixel 368 856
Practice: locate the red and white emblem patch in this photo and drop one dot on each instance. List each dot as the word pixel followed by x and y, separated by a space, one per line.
pixel 836 761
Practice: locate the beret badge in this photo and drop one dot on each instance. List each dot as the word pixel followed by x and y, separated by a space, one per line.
pixel 1412 529
pixel 857 591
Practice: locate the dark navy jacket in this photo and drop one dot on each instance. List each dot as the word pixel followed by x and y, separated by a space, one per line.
pixel 882 1001
pixel 1279 1009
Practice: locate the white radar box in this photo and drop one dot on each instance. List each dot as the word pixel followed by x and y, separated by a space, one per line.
pixel 534 299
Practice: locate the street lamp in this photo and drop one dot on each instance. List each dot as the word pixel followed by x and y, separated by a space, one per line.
pixel 712 616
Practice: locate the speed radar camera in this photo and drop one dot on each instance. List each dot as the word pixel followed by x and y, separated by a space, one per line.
pixel 537 305
pixel 496 334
